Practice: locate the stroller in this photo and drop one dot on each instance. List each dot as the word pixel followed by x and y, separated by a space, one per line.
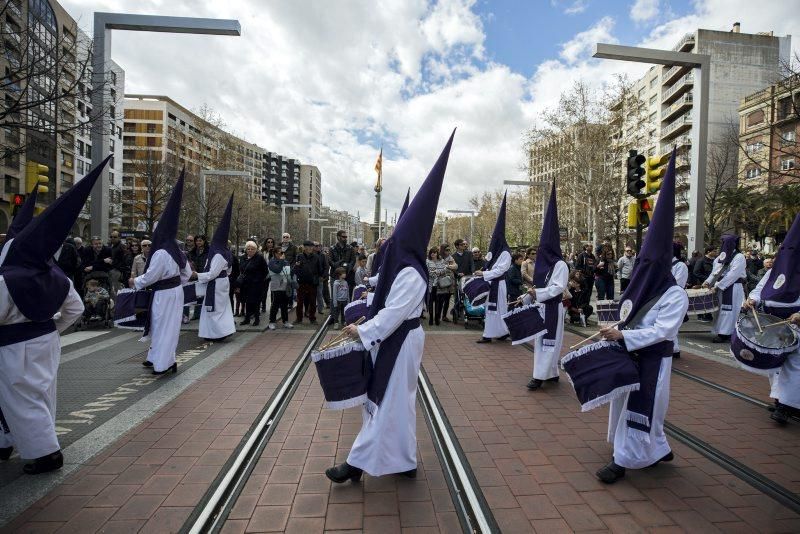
pixel 473 315
pixel 103 308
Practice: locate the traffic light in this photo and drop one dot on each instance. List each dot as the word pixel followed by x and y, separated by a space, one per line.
pixel 633 214
pixel 645 210
pixel 36 173
pixel 19 200
pixel 635 173
pixel 656 169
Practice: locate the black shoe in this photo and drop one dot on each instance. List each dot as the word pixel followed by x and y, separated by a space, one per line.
pixel 173 368
pixel 343 472
pixel 667 458
pixel 5 453
pixel 610 473
pixel 484 340
pixel 45 464
pixel 147 363
pixel 245 322
pixel 721 339
pixel 503 338
pixel 257 322
pixel 534 384
pixel 676 355
pixel 411 473
pixel 780 415
pixel 554 379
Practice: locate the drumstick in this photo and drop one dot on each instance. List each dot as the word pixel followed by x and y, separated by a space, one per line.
pixel 341 335
pixel 777 324
pixel 592 336
pixel 758 323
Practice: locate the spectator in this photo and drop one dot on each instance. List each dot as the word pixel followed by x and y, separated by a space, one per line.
pixel 362 275
pixel 692 262
pixel 445 291
pixel 625 268
pixel 702 270
pixel 140 260
pixel 252 272
pixel 134 249
pixel 323 297
pixel 437 268
pixel 586 264
pixel 280 281
pixel 266 251
pixel 118 263
pixel 97 258
pixel 371 257
pixel 235 271
pixel 578 307
pixel 753 264
pixel 465 263
pixel 514 277
pixel 344 256
pixel 477 259
pixel 288 248
pixel 341 296
pixel 188 244
pixel 527 267
pixel 766 266
pixel 67 259
pixel 307 270
pixel 198 257
pixel 604 275
pixel 95 300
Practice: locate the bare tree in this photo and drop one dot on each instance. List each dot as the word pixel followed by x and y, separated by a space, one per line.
pixel 721 175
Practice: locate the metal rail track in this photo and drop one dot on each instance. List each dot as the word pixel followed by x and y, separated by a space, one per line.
pixel 216 504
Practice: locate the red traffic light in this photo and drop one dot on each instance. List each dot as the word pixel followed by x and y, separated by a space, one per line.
pixel 19 199
pixel 645 205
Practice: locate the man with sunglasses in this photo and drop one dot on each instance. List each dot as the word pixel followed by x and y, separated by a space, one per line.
pixel 344 256
pixel 625 268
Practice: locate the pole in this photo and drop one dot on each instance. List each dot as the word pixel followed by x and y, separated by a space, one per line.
pixel 638 236
pixel 283 219
pixel 471 228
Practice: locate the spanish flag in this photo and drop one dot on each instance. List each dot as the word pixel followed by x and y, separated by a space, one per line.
pixel 379 163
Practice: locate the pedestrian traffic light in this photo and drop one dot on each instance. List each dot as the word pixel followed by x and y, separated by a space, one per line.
pixel 645 211
pixel 19 200
pixel 635 173
pixel 656 169
pixel 36 173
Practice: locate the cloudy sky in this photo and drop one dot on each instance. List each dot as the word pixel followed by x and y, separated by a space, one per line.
pixel 329 82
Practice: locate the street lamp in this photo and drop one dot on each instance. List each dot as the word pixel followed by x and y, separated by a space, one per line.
pixel 471 221
pixel 701 63
pixel 322 232
pixel 283 213
pixel 101 99
pixel 308 226
pixel 533 183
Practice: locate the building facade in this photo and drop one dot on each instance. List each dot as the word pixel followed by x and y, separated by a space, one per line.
pixel 311 188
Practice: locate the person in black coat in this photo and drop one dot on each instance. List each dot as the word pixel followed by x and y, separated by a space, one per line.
pixel 198 257
pixel 252 273
pixel 514 277
pixel 67 259
pixel 343 255
pixel 97 258
pixel 235 271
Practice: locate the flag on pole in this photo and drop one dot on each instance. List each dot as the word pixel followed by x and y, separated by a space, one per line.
pixel 379 163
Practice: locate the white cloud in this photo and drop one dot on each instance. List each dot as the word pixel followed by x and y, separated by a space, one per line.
pixel 572 7
pixel 644 10
pixel 584 42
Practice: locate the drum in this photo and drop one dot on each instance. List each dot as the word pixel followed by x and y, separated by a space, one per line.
pixel 477 290
pixel 764 352
pixel 702 301
pixel 600 373
pixel 607 312
pixel 359 292
pixel 525 323
pixel 355 311
pixel 131 308
pixel 343 373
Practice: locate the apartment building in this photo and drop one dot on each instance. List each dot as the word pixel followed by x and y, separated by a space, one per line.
pixel 311 187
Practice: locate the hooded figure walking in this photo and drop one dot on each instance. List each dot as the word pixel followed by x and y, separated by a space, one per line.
pixel 216 317
pixel 387 441
pixel 652 308
pixel 498 261
pixel 728 275
pixel 37 301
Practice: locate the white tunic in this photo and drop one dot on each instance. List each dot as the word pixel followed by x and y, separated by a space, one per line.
pixel 494 326
pixel 681 273
pixel 725 320
pixel 218 323
pixel 28 372
pixel 166 312
pixel 545 358
pixel 387 441
pixel 660 323
pixel 785 384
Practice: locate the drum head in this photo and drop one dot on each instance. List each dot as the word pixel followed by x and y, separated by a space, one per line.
pixel 777 337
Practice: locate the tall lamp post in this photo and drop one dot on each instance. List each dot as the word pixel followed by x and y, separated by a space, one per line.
pixel 308 226
pixel 322 232
pixel 701 64
pixel 471 221
pixel 104 23
pixel 283 213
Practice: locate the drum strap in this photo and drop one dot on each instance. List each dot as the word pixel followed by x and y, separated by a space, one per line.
pixel 781 311
pixel 551 318
pixel 161 285
pixel 388 350
pixel 640 403
pixel 19 332
pixel 494 290
pixel 211 288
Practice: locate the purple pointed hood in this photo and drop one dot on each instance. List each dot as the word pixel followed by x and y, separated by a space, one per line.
pixel 730 244
pixel 167 227
pixel 219 243
pixel 405 204
pixel 24 215
pixel 783 284
pixel 407 244
pixel 36 285
pixel 652 271
pixel 377 261
pixel 498 244
pixel 549 251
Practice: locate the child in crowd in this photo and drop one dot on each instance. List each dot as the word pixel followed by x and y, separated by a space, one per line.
pixel 361 270
pixel 341 296
pixel 96 300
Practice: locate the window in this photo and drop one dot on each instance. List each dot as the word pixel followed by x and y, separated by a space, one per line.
pixel 652 117
pixel 787 163
pixel 653 82
pixel 788 137
pixel 754 146
pixel 785 107
pixel 12 184
pixel 79 167
pixel 756 117
pixel 653 99
pixel 753 172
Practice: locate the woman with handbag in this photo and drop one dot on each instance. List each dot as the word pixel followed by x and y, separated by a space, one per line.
pixel 447 283
pixel 253 272
pixel 438 284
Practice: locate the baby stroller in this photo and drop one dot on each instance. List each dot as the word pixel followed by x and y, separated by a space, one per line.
pixel 473 315
pixel 103 310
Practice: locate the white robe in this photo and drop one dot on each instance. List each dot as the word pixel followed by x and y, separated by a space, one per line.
pixel 660 323
pixel 494 326
pixel 545 359
pixel 28 372
pixel 681 273
pixel 725 320
pixel 218 323
pixel 785 384
pixel 166 312
pixel 387 441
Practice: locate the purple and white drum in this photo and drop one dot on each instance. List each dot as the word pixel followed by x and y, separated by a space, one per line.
pixel 607 312
pixel 762 352
pixel 702 301
pixel 355 311
pixel 131 308
pixel 525 323
pixel 343 373
pixel 600 373
pixel 477 290
pixel 359 291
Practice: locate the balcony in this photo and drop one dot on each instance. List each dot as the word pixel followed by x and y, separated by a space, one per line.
pixel 680 87
pixel 670 75
pixel 685 44
pixel 679 143
pixel 14 9
pixel 684 123
pixel 677 108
